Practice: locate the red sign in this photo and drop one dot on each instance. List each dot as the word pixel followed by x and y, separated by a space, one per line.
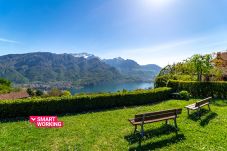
pixel 46 121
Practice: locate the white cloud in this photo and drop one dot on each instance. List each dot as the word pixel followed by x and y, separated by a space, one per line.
pixel 7 40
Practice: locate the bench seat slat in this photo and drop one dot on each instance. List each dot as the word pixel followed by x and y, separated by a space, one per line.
pixel 191 106
pixel 133 122
pixel 151 117
pixel 204 104
pixel 159 112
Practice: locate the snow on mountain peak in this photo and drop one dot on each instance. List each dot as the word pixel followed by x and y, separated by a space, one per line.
pixel 84 55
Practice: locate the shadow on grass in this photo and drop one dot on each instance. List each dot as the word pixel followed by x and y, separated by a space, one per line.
pixel 205 116
pixel 219 103
pixel 196 115
pixel 208 118
pixel 158 144
pixel 149 134
pixel 163 130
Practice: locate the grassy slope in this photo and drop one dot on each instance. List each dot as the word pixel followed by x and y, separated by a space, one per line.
pixel 110 130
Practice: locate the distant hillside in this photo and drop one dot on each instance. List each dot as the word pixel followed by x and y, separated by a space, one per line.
pixel 80 69
pixel 49 67
pixel 132 69
pixel 151 67
pixel 121 64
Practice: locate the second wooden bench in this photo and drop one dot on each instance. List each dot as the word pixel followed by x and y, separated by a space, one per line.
pixel 199 104
pixel 151 117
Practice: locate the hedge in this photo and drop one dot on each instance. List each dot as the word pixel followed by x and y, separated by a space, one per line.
pixel 200 89
pixel 77 104
pixel 162 81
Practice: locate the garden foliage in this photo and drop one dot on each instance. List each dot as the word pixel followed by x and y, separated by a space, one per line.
pixel 77 104
pixel 216 89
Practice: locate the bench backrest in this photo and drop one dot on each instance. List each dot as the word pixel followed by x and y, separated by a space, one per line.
pixel 157 115
pixel 204 101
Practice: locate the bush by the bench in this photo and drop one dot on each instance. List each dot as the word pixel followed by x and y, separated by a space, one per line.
pixel 184 95
pixel 200 89
pixel 75 104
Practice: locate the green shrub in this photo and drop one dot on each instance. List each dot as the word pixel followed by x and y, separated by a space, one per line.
pixel 76 104
pixel 5 89
pixel 31 92
pixel 5 86
pixel 39 93
pixel 124 91
pixel 5 82
pixel 200 89
pixel 34 92
pixel 184 95
pixel 66 93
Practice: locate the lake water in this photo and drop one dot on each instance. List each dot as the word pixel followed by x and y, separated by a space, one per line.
pixel 110 87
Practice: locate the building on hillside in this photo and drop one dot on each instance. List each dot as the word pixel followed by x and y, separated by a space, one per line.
pixel 14 95
pixel 221 62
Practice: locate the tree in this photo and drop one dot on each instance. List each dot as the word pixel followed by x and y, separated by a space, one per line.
pixel 198 67
pixel 39 93
pixel 66 93
pixel 201 65
pixel 5 82
pixel 31 92
pixel 5 86
pixel 55 92
pixel 166 70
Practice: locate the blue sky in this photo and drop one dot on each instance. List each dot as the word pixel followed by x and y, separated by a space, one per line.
pixel 148 31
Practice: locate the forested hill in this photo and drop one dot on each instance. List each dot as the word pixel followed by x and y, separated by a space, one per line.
pixel 49 67
pixel 75 68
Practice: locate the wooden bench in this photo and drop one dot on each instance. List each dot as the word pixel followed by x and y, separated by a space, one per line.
pixel 151 117
pixel 199 104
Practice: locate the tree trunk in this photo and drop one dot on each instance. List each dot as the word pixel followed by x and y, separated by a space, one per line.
pixel 199 78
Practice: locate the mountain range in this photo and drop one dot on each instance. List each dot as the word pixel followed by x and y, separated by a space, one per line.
pixel 132 70
pixel 79 69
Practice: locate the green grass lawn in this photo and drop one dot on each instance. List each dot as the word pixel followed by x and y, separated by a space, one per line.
pixel 110 130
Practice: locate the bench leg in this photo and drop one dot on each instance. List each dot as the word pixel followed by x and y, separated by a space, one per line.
pixel 135 129
pixel 209 107
pixel 142 131
pixel 188 112
pixel 175 123
pixel 167 122
pixel 198 112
